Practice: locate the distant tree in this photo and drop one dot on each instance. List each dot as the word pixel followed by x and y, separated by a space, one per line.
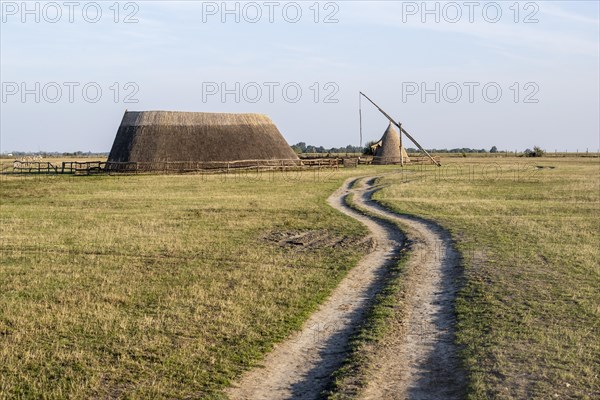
pixel 299 147
pixel 536 152
pixel 367 150
pixel 494 149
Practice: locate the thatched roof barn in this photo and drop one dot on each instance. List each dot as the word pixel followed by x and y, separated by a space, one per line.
pixel 388 149
pixel 158 136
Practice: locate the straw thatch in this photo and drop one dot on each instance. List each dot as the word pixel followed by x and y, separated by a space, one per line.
pixel 158 136
pixel 388 149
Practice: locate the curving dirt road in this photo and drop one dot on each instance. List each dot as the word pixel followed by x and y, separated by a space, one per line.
pixel 420 362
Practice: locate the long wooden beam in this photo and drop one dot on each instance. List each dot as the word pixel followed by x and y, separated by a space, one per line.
pixel 402 130
pixel 401 148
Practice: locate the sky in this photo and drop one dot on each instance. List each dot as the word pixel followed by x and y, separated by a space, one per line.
pixel 455 74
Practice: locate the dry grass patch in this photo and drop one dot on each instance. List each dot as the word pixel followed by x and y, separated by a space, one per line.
pixel 157 286
pixel 528 312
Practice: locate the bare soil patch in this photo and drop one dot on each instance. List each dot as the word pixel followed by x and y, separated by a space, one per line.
pixel 316 239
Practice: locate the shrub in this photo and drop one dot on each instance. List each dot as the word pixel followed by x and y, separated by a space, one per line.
pixel 536 152
pixel 368 151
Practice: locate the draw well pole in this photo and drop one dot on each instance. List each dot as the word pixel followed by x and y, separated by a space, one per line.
pixel 402 130
pixel 401 148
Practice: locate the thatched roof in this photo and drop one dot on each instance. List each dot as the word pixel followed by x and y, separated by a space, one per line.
pixel 387 150
pixel 153 136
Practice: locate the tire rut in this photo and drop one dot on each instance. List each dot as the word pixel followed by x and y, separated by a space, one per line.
pixel 301 366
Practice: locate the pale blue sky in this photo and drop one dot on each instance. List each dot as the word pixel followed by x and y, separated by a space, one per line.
pixel 377 47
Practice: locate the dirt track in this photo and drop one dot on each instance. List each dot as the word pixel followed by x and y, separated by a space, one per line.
pixel 420 363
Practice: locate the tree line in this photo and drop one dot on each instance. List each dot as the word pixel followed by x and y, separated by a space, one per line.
pixel 302 147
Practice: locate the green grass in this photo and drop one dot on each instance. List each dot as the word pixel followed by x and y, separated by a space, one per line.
pixel 164 286
pixel 157 286
pixel 528 314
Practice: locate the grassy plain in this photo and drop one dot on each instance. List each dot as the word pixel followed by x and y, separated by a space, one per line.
pixel 158 286
pixel 529 309
pixel 170 286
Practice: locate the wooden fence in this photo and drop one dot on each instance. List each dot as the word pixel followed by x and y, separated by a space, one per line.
pixel 35 167
pixel 368 160
pixel 183 167
pixel 166 167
